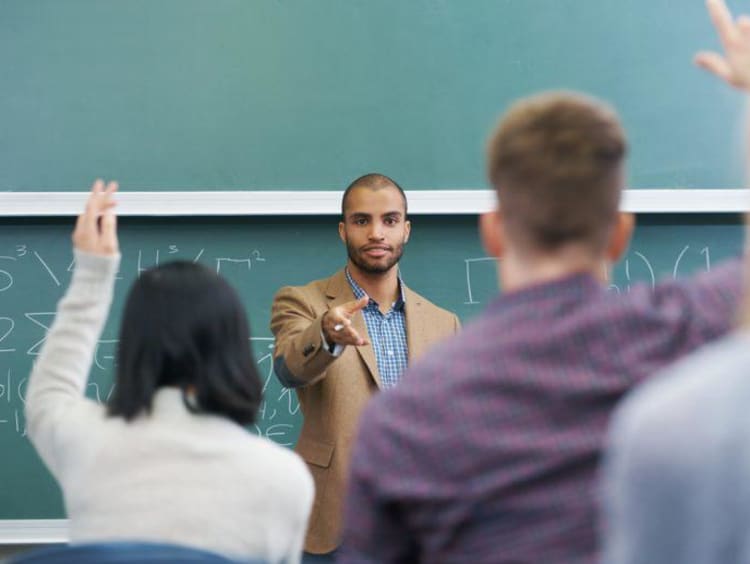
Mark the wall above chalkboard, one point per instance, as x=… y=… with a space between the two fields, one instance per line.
x=306 y=95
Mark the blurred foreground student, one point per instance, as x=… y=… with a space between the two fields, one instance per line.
x=488 y=451
x=677 y=478
x=168 y=459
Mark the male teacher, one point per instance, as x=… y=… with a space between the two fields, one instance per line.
x=340 y=339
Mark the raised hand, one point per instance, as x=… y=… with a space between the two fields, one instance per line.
x=734 y=65
x=96 y=228
x=337 y=324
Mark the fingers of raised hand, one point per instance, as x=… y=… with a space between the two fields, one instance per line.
x=722 y=20
x=96 y=227
x=714 y=63
x=734 y=65
x=743 y=27
x=108 y=238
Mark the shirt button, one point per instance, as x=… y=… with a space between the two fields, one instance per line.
x=390 y=353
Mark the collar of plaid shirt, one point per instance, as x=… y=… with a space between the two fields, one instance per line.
x=359 y=293
x=387 y=334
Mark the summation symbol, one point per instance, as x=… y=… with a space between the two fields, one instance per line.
x=33 y=317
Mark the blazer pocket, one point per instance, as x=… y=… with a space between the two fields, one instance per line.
x=315 y=452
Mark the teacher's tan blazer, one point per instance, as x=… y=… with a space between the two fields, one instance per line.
x=333 y=390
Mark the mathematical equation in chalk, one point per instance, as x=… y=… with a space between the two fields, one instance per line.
x=26 y=260
x=43 y=275
x=276 y=414
x=635 y=268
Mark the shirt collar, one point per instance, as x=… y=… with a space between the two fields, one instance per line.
x=359 y=293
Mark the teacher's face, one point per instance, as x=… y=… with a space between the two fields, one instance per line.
x=375 y=228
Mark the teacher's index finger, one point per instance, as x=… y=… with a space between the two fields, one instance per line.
x=357 y=305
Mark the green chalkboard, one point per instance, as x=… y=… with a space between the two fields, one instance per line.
x=308 y=94
x=444 y=261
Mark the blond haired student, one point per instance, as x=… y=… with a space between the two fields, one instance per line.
x=488 y=452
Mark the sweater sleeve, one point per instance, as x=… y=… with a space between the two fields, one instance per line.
x=58 y=378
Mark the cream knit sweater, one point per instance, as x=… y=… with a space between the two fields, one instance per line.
x=171 y=476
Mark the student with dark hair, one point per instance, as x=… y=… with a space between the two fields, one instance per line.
x=168 y=459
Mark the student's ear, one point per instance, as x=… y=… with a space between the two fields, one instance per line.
x=342 y=232
x=492 y=233
x=620 y=238
x=407 y=231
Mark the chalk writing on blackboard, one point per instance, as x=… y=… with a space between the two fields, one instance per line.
x=637 y=268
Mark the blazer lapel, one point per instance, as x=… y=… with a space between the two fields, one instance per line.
x=339 y=292
x=417 y=324
x=366 y=352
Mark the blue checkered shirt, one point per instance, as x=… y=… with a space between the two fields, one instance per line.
x=387 y=334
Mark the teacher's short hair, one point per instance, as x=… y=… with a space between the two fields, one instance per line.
x=184 y=327
x=373 y=181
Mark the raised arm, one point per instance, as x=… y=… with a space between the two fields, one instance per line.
x=733 y=66
x=58 y=379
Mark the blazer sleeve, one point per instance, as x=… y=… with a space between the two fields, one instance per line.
x=300 y=357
